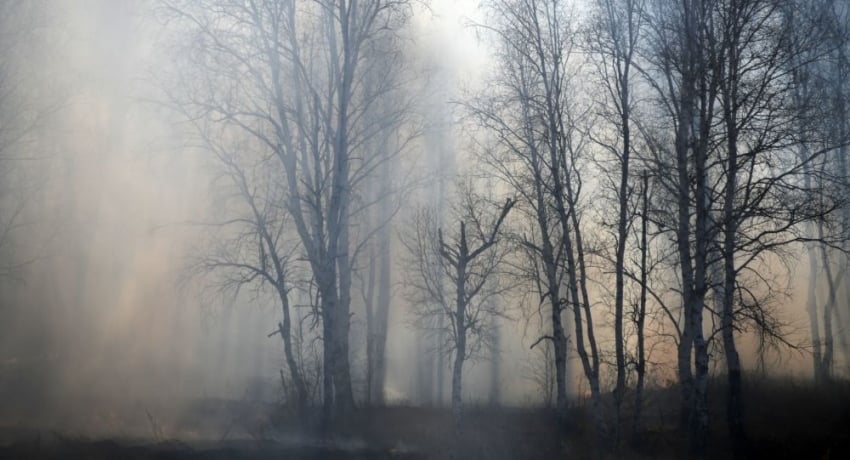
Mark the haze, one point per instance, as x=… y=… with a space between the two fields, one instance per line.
x=176 y=175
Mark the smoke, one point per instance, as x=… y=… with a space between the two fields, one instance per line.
x=100 y=329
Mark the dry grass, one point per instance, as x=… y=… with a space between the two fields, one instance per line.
x=784 y=419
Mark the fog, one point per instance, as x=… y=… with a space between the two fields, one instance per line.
x=113 y=322
x=100 y=324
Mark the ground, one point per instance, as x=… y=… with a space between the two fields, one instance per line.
x=784 y=420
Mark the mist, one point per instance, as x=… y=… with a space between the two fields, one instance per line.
x=441 y=229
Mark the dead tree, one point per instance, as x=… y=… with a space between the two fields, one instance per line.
x=469 y=261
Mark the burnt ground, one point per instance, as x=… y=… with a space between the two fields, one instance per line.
x=784 y=420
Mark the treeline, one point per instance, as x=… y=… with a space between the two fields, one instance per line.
x=660 y=160
x=638 y=175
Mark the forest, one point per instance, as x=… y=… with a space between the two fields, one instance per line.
x=496 y=229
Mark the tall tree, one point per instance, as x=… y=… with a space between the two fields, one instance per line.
x=536 y=120
x=292 y=75
x=720 y=69
x=682 y=60
x=618 y=24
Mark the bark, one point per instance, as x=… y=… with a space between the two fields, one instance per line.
x=285 y=330
x=327 y=366
x=589 y=362
x=734 y=409
x=582 y=316
x=595 y=391
x=460 y=326
x=285 y=327
x=840 y=79
x=812 y=309
x=641 y=313
x=369 y=301
x=801 y=94
x=495 y=363
x=338 y=226
x=622 y=68
x=827 y=358
x=622 y=234
x=440 y=397
x=699 y=417
x=550 y=266
x=734 y=402
x=381 y=319
x=685 y=345
x=843 y=320
x=695 y=102
x=459 y=258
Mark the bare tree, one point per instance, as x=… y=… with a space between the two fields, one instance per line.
x=251 y=246
x=618 y=24
x=639 y=314
x=536 y=121
x=720 y=70
x=764 y=200
x=818 y=38
x=468 y=260
x=292 y=75
x=681 y=58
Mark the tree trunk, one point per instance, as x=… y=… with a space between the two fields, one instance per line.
x=699 y=416
x=343 y=394
x=327 y=364
x=460 y=327
x=381 y=319
x=622 y=235
x=285 y=329
x=812 y=308
x=734 y=406
x=576 y=282
x=734 y=402
x=547 y=254
x=495 y=363
x=827 y=358
x=369 y=301
x=641 y=313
